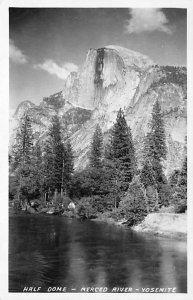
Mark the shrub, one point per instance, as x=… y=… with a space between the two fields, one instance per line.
x=85 y=208
x=179 y=199
x=132 y=206
x=134 y=199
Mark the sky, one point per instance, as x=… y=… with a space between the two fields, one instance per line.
x=46 y=44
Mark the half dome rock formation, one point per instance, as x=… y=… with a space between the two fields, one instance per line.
x=111 y=78
x=107 y=80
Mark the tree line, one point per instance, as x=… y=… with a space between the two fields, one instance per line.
x=40 y=171
x=112 y=181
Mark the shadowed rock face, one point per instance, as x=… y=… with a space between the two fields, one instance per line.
x=111 y=78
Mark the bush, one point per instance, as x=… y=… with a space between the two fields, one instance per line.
x=134 y=200
x=179 y=199
x=90 y=207
x=135 y=218
x=169 y=209
x=132 y=206
x=86 y=209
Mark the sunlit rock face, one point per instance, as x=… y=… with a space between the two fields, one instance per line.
x=111 y=78
x=107 y=80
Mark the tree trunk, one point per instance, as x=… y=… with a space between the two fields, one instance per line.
x=62 y=192
x=55 y=195
x=146 y=200
x=157 y=197
x=18 y=191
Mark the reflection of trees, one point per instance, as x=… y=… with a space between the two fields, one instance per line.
x=38 y=251
x=55 y=251
x=28 y=270
x=181 y=265
x=105 y=254
x=174 y=264
x=125 y=258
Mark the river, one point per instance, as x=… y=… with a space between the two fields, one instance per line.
x=54 y=252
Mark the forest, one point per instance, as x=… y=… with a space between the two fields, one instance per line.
x=42 y=174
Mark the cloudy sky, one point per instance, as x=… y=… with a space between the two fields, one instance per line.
x=46 y=44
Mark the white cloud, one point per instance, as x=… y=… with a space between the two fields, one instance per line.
x=147 y=19
x=16 y=55
x=61 y=72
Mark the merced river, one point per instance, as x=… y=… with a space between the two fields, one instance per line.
x=58 y=254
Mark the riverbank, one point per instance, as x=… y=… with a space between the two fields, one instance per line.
x=164 y=224
x=161 y=224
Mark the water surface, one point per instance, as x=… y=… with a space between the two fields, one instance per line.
x=54 y=251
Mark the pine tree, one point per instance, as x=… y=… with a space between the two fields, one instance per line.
x=133 y=204
x=36 y=177
x=22 y=155
x=53 y=159
x=47 y=167
x=134 y=197
x=122 y=153
x=94 y=172
x=148 y=179
x=147 y=176
x=156 y=139
x=57 y=160
x=96 y=149
x=155 y=151
x=68 y=165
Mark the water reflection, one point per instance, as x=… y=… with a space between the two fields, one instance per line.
x=55 y=251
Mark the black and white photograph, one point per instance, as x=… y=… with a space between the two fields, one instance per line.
x=97 y=150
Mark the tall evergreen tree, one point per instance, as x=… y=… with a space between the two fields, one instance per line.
x=155 y=151
x=22 y=155
x=53 y=158
x=36 y=176
x=96 y=149
x=57 y=160
x=156 y=139
x=121 y=151
x=148 y=178
x=68 y=165
x=47 y=167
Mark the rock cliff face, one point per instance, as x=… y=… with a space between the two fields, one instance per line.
x=111 y=78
